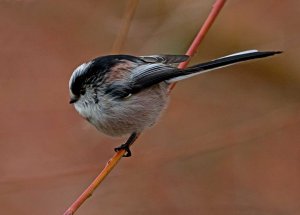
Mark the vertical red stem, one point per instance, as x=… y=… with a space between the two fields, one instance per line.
x=216 y=8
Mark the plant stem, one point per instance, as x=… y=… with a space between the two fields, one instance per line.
x=93 y=186
x=216 y=8
x=127 y=19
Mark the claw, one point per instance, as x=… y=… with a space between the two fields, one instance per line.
x=126 y=148
x=126 y=145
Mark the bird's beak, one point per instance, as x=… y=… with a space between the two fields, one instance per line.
x=73 y=100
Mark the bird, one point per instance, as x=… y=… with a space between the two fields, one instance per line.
x=125 y=94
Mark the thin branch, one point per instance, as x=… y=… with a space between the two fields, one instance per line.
x=127 y=19
x=216 y=8
x=118 y=155
x=93 y=186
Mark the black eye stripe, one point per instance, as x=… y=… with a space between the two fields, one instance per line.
x=87 y=78
x=94 y=73
x=82 y=91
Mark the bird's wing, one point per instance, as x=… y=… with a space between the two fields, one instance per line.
x=147 y=75
x=151 y=70
x=142 y=77
x=165 y=59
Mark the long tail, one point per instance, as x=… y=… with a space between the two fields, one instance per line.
x=222 y=62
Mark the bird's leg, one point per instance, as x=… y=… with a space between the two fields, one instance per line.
x=126 y=145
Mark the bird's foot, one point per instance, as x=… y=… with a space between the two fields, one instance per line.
x=126 y=148
x=126 y=145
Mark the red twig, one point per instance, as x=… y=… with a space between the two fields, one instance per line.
x=93 y=186
x=118 y=155
x=216 y=8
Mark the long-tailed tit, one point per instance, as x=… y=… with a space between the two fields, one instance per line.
x=124 y=94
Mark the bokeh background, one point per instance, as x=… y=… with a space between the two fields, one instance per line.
x=229 y=142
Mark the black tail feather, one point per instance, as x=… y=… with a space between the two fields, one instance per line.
x=222 y=62
x=232 y=59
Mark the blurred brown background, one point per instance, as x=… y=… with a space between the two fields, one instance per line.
x=229 y=142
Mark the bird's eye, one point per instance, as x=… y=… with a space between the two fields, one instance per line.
x=82 y=92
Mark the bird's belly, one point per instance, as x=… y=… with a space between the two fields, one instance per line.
x=133 y=114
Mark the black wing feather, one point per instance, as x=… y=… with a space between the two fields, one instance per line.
x=165 y=59
x=146 y=75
